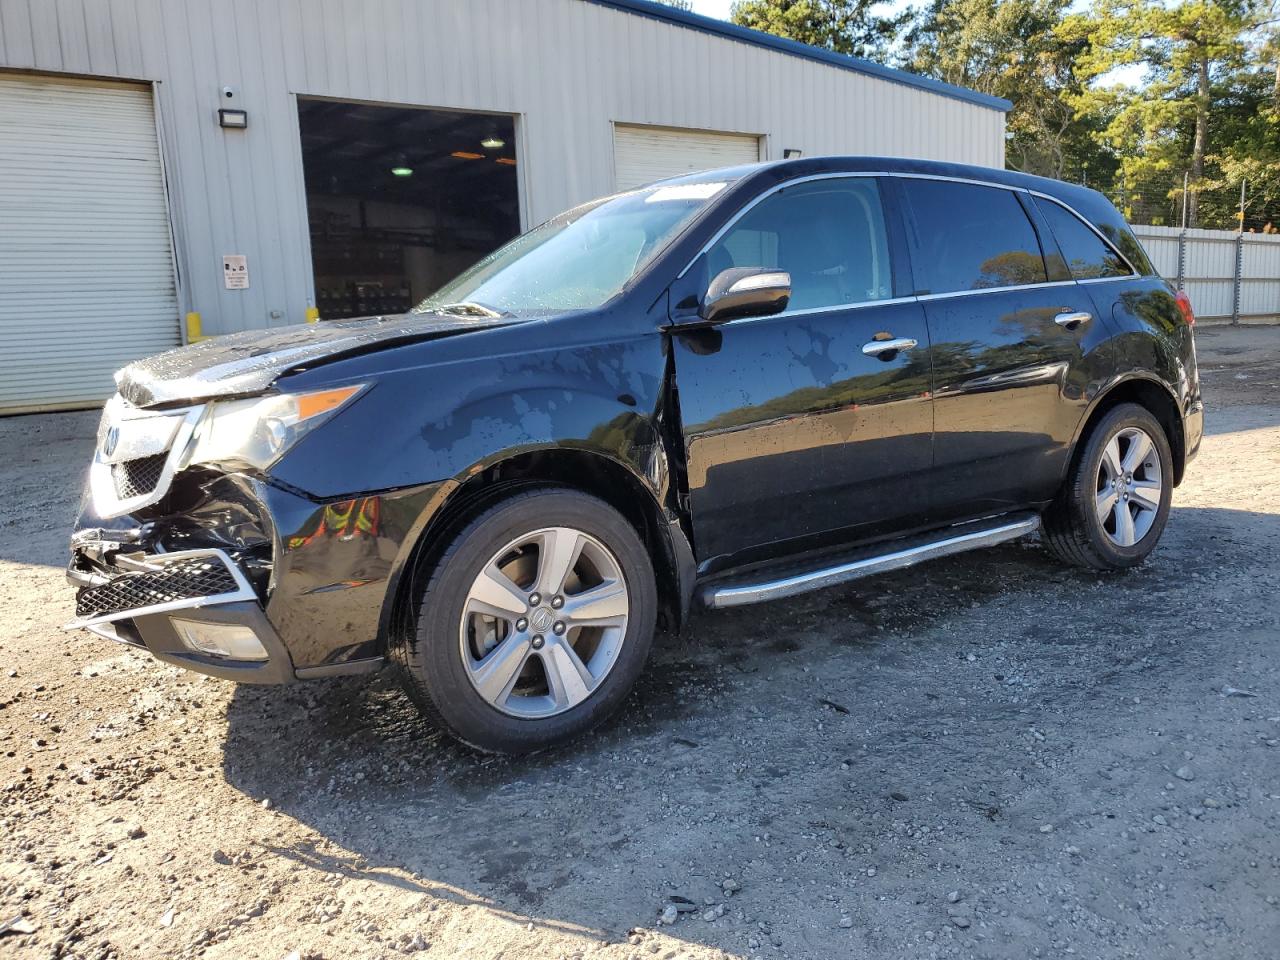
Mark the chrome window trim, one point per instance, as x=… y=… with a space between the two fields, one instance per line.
x=814 y=311
x=243 y=592
x=1133 y=272
x=920 y=298
x=1004 y=289
x=1126 y=276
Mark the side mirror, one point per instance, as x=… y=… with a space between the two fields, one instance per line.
x=746 y=292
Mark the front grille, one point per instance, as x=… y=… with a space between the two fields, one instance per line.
x=186 y=579
x=133 y=478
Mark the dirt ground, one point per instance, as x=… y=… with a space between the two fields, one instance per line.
x=989 y=756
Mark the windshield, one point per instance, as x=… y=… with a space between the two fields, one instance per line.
x=580 y=259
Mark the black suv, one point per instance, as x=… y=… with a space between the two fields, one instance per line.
x=727 y=387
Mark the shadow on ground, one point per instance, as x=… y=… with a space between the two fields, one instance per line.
x=769 y=743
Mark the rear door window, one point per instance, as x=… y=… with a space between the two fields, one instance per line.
x=969 y=237
x=828 y=234
x=1087 y=256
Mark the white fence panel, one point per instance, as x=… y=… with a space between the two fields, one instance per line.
x=1260 y=287
x=1209 y=274
x=1161 y=244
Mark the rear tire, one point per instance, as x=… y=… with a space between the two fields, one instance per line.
x=534 y=625
x=1115 y=503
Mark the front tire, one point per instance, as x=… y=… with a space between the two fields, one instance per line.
x=1115 y=503
x=534 y=625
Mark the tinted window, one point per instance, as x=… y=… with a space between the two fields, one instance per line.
x=828 y=234
x=969 y=237
x=1086 y=255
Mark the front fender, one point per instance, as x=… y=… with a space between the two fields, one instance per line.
x=444 y=427
x=431 y=423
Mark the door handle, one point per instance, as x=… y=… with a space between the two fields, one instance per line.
x=873 y=348
x=1072 y=318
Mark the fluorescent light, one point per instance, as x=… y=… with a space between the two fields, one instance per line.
x=402 y=171
x=493 y=143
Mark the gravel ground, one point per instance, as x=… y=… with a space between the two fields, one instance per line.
x=989 y=756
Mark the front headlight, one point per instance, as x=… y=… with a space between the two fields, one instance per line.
x=255 y=433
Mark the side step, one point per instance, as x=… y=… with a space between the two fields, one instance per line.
x=797 y=578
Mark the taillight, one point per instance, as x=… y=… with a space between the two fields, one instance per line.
x=1184 y=304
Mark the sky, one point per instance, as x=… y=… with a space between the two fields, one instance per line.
x=712 y=8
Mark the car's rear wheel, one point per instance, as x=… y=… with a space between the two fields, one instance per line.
x=1115 y=503
x=534 y=624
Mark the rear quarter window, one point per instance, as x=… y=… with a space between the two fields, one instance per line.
x=970 y=237
x=1086 y=255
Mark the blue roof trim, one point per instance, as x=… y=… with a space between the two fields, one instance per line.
x=731 y=31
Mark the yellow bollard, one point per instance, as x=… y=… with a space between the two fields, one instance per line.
x=313 y=315
x=193 y=328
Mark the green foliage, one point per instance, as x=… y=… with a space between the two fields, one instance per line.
x=1010 y=48
x=1127 y=96
x=852 y=27
x=1192 y=60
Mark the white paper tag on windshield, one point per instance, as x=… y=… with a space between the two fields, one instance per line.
x=685 y=191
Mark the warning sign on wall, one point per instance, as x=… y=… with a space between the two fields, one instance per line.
x=235 y=271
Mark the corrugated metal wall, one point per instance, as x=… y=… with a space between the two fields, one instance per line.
x=86 y=267
x=1209 y=274
x=569 y=69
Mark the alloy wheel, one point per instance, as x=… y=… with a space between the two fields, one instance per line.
x=543 y=622
x=1129 y=486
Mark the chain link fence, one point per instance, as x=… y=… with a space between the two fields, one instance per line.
x=1213 y=205
x=1218 y=241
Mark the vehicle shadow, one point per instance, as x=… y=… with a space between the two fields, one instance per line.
x=776 y=741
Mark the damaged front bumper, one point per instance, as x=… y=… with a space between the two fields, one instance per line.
x=232 y=573
x=192 y=608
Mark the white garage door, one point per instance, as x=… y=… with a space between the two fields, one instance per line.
x=644 y=154
x=86 y=264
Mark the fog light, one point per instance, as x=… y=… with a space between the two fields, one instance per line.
x=229 y=640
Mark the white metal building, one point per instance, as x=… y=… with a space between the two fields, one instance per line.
x=251 y=161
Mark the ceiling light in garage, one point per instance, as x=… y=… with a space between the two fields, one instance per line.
x=509 y=161
x=464 y=155
x=493 y=143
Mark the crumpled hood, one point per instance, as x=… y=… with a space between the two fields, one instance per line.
x=245 y=363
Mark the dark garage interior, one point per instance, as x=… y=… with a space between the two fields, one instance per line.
x=401 y=200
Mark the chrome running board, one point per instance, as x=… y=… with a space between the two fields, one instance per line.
x=736 y=592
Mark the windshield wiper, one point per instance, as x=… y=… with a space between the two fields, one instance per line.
x=469 y=309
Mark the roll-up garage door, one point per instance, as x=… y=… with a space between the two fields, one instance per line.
x=644 y=154
x=86 y=262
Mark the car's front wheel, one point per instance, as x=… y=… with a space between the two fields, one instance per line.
x=534 y=624
x=1115 y=503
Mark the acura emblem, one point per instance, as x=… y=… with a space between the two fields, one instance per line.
x=110 y=440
